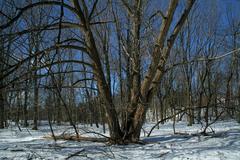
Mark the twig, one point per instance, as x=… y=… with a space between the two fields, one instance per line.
x=202 y=59
x=164 y=120
x=28 y=131
x=75 y=154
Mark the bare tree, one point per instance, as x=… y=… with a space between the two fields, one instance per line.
x=143 y=86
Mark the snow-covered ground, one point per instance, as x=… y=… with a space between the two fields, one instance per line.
x=162 y=144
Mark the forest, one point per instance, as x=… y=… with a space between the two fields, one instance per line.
x=136 y=79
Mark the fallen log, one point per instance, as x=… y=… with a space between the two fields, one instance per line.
x=78 y=138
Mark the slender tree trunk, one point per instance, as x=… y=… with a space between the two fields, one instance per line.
x=161 y=106
x=228 y=93
x=174 y=120
x=59 y=111
x=2 y=119
x=156 y=111
x=191 y=110
x=25 y=111
x=18 y=108
x=36 y=96
x=1 y=110
x=200 y=107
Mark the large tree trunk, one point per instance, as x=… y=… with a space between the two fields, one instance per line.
x=134 y=124
x=111 y=114
x=104 y=89
x=135 y=111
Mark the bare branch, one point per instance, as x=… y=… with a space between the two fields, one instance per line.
x=93 y=10
x=202 y=59
x=42 y=3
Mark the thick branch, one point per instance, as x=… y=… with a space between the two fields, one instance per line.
x=158 y=47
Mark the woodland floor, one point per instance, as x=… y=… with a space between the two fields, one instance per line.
x=162 y=144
